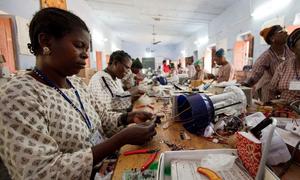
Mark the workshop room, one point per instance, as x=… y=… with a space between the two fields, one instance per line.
x=150 y=89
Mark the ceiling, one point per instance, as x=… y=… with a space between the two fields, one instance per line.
x=173 y=20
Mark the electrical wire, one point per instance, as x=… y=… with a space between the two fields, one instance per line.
x=181 y=113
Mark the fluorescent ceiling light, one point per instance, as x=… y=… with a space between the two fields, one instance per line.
x=269 y=8
x=201 y=41
x=148 y=54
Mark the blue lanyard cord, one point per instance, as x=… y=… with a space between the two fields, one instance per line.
x=50 y=83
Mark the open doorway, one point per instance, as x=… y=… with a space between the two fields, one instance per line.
x=7 y=46
x=209 y=65
x=243 y=51
x=243 y=55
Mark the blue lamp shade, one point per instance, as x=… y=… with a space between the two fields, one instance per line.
x=162 y=80
x=196 y=112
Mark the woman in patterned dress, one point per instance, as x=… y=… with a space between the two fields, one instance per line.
x=106 y=86
x=50 y=126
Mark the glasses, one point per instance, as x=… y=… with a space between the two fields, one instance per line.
x=281 y=31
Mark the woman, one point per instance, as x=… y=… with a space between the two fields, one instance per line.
x=106 y=85
x=199 y=72
x=226 y=71
x=288 y=72
x=49 y=128
x=134 y=75
x=166 y=68
x=179 y=68
x=265 y=66
x=191 y=71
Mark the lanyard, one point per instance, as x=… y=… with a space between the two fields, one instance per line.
x=50 y=83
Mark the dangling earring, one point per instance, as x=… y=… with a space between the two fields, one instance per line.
x=46 y=51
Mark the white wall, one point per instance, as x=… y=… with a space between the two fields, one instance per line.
x=188 y=46
x=99 y=31
x=237 y=19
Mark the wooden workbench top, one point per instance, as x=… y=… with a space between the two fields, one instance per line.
x=171 y=135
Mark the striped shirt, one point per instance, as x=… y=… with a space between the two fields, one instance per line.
x=285 y=73
x=226 y=73
x=264 y=69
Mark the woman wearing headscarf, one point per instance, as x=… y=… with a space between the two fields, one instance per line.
x=226 y=71
x=265 y=66
x=288 y=71
x=199 y=72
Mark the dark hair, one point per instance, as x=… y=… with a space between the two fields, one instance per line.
x=137 y=64
x=118 y=56
x=293 y=38
x=164 y=61
x=54 y=22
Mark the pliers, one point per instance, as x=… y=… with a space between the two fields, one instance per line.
x=153 y=152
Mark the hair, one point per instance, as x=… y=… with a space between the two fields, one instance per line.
x=54 y=22
x=137 y=64
x=118 y=56
x=164 y=61
x=293 y=38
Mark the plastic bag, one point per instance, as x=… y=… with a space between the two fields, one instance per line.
x=218 y=162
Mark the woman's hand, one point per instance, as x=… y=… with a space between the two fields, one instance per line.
x=135 y=91
x=138 y=134
x=138 y=116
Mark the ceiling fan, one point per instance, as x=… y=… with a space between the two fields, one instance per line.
x=154 y=34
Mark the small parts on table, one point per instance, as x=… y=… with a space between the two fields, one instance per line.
x=173 y=147
x=153 y=152
x=184 y=136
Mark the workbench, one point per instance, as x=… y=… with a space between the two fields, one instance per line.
x=171 y=135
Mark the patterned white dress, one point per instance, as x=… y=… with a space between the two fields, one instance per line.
x=110 y=92
x=42 y=136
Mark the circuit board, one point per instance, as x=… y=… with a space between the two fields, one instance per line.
x=138 y=175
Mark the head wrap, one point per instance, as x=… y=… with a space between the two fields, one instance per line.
x=293 y=38
x=268 y=32
x=197 y=62
x=220 y=52
x=172 y=65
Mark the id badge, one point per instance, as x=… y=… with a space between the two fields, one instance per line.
x=96 y=138
x=294 y=85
